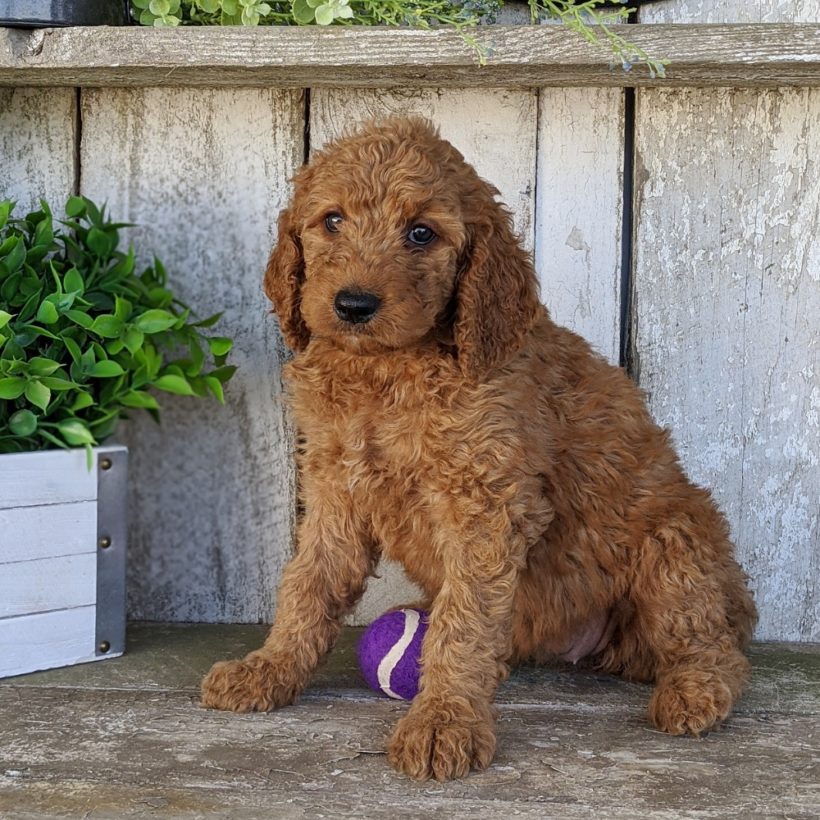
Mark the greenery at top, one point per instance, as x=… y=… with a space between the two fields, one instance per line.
x=591 y=19
x=83 y=338
x=420 y=13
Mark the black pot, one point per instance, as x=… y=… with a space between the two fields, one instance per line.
x=38 y=13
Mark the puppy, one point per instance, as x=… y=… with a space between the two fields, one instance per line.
x=446 y=422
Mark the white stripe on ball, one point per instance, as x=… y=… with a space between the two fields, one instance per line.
x=389 y=661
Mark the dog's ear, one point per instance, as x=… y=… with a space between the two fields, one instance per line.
x=283 y=282
x=496 y=294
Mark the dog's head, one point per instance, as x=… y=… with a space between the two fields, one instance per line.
x=392 y=239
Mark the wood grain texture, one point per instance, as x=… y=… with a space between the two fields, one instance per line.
x=731 y=11
x=47 y=477
x=728 y=55
x=47 y=640
x=37 y=145
x=726 y=328
x=175 y=657
x=580 y=209
x=27 y=533
x=47 y=584
x=495 y=129
x=203 y=173
x=127 y=739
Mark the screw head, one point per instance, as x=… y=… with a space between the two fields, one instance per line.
x=105 y=463
x=105 y=542
x=104 y=646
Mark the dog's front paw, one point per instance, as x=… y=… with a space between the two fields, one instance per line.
x=248 y=685
x=689 y=702
x=434 y=742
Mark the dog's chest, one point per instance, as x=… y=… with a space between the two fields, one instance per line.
x=386 y=443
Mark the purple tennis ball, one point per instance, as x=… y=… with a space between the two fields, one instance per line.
x=390 y=653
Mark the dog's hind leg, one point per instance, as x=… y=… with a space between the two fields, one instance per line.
x=693 y=616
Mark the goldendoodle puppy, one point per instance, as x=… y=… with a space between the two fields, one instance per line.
x=446 y=422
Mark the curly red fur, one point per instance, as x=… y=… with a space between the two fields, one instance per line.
x=517 y=476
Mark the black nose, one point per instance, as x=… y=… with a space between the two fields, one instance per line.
x=356 y=306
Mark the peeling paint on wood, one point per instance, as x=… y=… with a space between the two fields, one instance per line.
x=727 y=300
x=731 y=11
x=495 y=129
x=203 y=174
x=37 y=146
x=579 y=211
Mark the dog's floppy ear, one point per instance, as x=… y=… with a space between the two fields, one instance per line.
x=283 y=282
x=496 y=294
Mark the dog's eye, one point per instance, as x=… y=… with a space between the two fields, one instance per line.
x=421 y=235
x=332 y=222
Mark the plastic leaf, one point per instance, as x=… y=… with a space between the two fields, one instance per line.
x=174 y=384
x=105 y=369
x=73 y=349
x=141 y=399
x=219 y=345
x=155 y=321
x=324 y=15
x=38 y=394
x=80 y=318
x=47 y=313
x=6 y=207
x=82 y=401
x=40 y=366
x=75 y=432
x=216 y=388
x=302 y=12
x=73 y=281
x=133 y=339
x=107 y=326
x=75 y=207
x=16 y=256
x=12 y=387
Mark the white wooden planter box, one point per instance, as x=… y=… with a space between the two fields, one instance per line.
x=62 y=558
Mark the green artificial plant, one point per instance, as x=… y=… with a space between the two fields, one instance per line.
x=84 y=339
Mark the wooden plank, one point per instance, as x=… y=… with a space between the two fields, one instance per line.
x=27 y=533
x=175 y=657
x=37 y=145
x=203 y=173
x=46 y=640
x=47 y=584
x=47 y=477
x=116 y=754
x=495 y=129
x=580 y=210
x=726 y=55
x=727 y=300
x=731 y=11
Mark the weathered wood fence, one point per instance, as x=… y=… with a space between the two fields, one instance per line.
x=676 y=226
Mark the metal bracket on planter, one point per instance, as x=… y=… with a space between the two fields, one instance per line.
x=112 y=536
x=40 y=13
